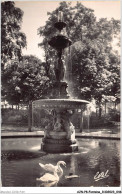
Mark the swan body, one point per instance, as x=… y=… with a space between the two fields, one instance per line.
x=47 y=167
x=51 y=168
x=47 y=177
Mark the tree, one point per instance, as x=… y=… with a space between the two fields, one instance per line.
x=12 y=39
x=25 y=81
x=91 y=60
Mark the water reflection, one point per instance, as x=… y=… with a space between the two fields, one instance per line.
x=72 y=165
x=20 y=155
x=48 y=180
x=52 y=184
x=93 y=161
x=21 y=167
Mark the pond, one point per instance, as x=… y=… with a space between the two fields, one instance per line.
x=21 y=158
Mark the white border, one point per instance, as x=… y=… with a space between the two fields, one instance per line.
x=93 y=190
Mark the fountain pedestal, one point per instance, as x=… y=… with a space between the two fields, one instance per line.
x=57 y=143
x=59 y=134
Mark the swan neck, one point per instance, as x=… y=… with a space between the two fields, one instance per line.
x=60 y=169
x=55 y=174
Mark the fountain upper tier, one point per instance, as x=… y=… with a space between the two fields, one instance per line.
x=60 y=42
x=60 y=103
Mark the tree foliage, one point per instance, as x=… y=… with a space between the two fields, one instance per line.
x=25 y=81
x=12 y=39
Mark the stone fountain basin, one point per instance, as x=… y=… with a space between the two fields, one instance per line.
x=57 y=135
x=60 y=103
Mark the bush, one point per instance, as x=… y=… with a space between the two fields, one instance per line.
x=114 y=115
x=96 y=122
x=41 y=118
x=13 y=116
x=105 y=120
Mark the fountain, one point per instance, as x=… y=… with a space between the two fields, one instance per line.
x=21 y=156
x=59 y=135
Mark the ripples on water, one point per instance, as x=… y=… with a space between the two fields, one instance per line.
x=21 y=157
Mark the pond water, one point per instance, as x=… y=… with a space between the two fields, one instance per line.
x=21 y=158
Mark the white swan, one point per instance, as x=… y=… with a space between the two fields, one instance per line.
x=52 y=168
x=52 y=179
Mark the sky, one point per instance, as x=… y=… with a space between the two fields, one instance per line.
x=35 y=15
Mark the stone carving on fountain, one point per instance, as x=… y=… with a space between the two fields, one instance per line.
x=61 y=123
x=59 y=135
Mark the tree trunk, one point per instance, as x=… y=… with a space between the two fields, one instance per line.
x=115 y=105
x=30 y=116
x=100 y=108
x=100 y=111
x=81 y=122
x=105 y=107
x=88 y=121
